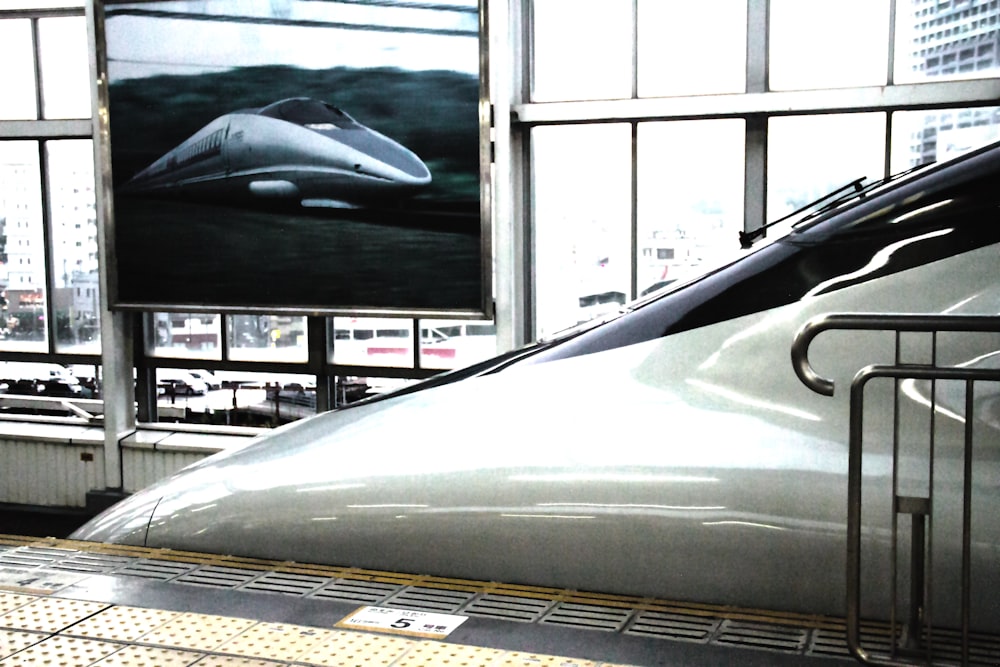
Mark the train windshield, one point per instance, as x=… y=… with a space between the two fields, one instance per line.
x=310 y=113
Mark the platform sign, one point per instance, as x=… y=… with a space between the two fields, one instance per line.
x=407 y=622
x=36 y=582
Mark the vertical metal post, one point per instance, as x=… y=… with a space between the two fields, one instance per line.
x=967 y=522
x=854 y=521
x=116 y=327
x=318 y=337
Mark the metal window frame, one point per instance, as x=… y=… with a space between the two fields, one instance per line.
x=755 y=106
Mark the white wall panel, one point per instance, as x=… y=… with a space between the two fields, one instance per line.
x=58 y=474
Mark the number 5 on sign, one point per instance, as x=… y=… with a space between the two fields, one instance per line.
x=402 y=622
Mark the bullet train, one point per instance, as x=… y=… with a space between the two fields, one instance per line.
x=294 y=150
x=668 y=452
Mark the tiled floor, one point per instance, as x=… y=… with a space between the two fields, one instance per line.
x=74 y=604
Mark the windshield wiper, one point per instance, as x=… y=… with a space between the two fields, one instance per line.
x=747 y=238
x=855 y=189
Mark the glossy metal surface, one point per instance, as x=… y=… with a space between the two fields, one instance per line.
x=672 y=452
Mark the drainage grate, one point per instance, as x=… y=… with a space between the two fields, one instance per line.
x=762 y=635
x=34 y=556
x=680 y=627
x=829 y=644
x=149 y=568
x=90 y=562
x=356 y=590
x=285 y=584
x=215 y=576
x=429 y=599
x=508 y=607
x=592 y=617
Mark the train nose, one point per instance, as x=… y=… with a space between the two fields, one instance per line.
x=124 y=523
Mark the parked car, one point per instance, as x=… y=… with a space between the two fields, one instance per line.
x=39 y=379
x=207 y=377
x=176 y=381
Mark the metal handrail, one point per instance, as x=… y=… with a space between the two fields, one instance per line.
x=919 y=509
x=899 y=323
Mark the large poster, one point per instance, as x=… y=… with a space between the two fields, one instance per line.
x=294 y=155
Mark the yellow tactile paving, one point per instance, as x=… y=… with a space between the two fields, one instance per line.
x=51 y=615
x=12 y=641
x=62 y=651
x=122 y=623
x=233 y=661
x=440 y=654
x=9 y=601
x=518 y=659
x=350 y=649
x=276 y=641
x=202 y=632
x=149 y=656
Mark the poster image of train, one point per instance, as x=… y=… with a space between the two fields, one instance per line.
x=296 y=156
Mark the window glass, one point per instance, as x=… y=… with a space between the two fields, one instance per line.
x=65 y=67
x=819 y=44
x=843 y=147
x=17 y=54
x=932 y=136
x=267 y=338
x=946 y=40
x=187 y=335
x=75 y=281
x=582 y=49
x=237 y=398
x=690 y=198
x=582 y=189
x=373 y=341
x=456 y=343
x=22 y=272
x=688 y=48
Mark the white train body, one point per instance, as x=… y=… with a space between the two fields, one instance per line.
x=669 y=453
x=292 y=150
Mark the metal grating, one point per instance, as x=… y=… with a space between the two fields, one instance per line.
x=216 y=576
x=947 y=645
x=33 y=556
x=830 y=644
x=357 y=590
x=678 y=627
x=508 y=607
x=285 y=584
x=429 y=599
x=90 y=563
x=785 y=639
x=593 y=617
x=149 y=568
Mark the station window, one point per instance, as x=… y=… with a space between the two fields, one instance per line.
x=65 y=67
x=803 y=59
x=690 y=197
x=582 y=187
x=70 y=175
x=688 y=48
x=844 y=147
x=582 y=49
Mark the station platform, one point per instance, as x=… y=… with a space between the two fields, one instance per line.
x=72 y=603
